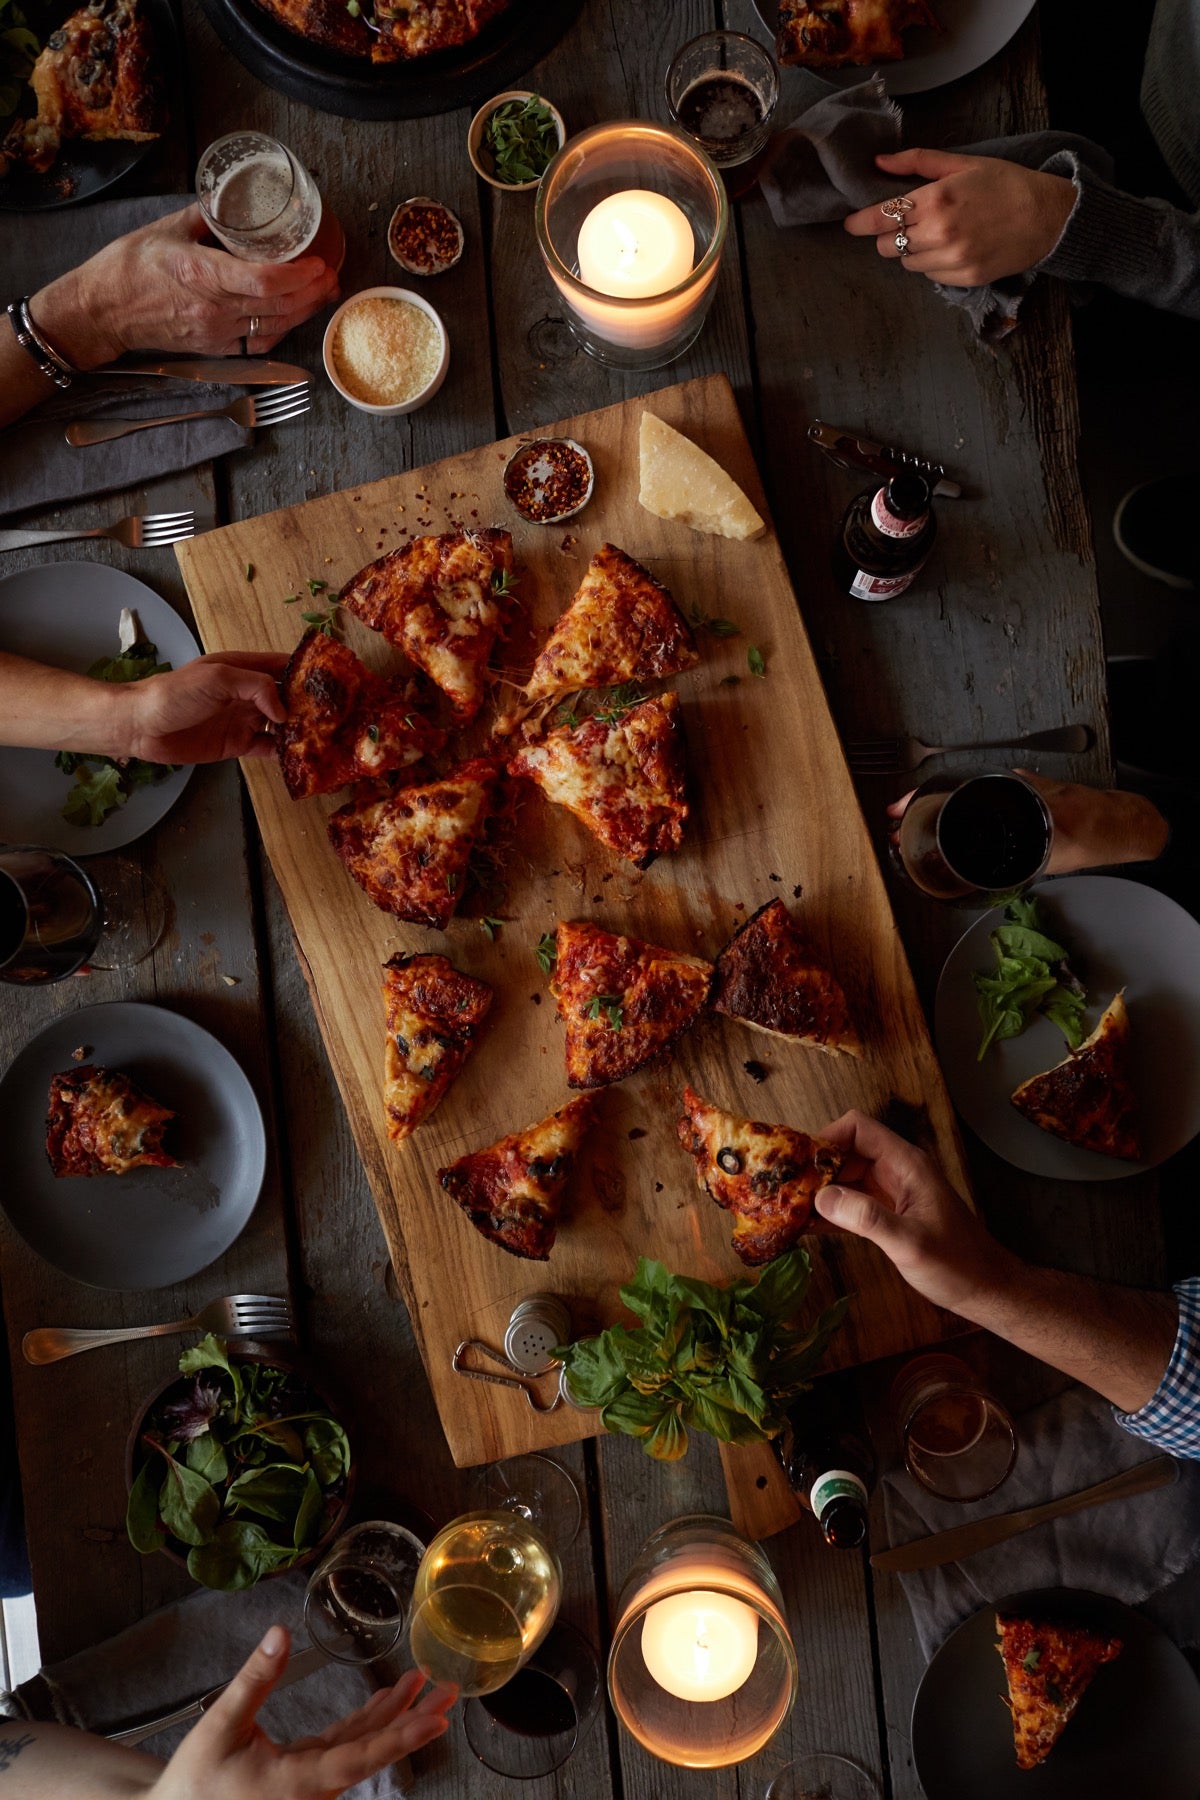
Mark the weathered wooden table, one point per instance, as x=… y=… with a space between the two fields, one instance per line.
x=1001 y=635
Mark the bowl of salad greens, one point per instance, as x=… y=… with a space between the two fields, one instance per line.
x=237 y=1467
x=514 y=138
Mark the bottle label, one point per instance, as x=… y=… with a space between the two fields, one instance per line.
x=887 y=521
x=835 y=1484
x=881 y=587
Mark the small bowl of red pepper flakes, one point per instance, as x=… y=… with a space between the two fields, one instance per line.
x=425 y=237
x=549 y=480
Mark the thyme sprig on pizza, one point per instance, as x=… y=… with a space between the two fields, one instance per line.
x=727 y=1360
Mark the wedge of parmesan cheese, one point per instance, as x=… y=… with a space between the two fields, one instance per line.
x=680 y=481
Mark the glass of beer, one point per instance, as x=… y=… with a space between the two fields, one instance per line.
x=262 y=204
x=959 y=1442
x=722 y=89
x=974 y=839
x=357 y=1601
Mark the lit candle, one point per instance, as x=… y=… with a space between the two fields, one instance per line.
x=700 y=1646
x=635 y=244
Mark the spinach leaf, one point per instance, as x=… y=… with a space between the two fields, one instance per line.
x=206 y=1455
x=273 y=1492
x=1031 y=974
x=307 y=1526
x=189 y=1505
x=328 y=1450
x=239 y=1554
x=141 y=1514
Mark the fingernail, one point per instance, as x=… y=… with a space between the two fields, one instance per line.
x=275 y=1642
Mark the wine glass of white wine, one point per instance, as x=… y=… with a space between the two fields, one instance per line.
x=487 y=1592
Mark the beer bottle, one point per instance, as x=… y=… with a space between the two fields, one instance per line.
x=828 y=1462
x=885 y=537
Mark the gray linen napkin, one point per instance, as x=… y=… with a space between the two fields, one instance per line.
x=37 y=466
x=1143 y=1549
x=822 y=167
x=180 y=1652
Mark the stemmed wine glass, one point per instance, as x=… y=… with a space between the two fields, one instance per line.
x=534 y=1723
x=55 y=919
x=823 y=1777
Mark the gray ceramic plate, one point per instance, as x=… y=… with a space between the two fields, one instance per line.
x=973 y=31
x=1136 y=1733
x=151 y=1227
x=1120 y=934
x=67 y=613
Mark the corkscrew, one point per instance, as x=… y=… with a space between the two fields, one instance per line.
x=849 y=451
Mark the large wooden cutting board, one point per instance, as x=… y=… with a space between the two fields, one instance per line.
x=775 y=814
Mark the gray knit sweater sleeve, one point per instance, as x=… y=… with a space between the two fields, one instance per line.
x=1144 y=249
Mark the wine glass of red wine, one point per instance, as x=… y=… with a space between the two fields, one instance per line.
x=823 y=1777
x=531 y=1725
x=57 y=919
x=974 y=839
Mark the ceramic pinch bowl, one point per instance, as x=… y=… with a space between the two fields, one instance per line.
x=344 y=354
x=478 y=154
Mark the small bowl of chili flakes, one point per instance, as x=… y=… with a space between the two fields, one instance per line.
x=425 y=237
x=549 y=480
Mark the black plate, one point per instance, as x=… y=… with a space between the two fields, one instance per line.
x=1136 y=1732
x=355 y=88
x=81 y=170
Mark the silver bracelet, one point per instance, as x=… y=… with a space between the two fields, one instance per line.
x=52 y=364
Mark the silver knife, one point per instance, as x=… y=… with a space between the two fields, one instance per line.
x=300 y=1666
x=981 y=1534
x=234 y=371
x=850 y=451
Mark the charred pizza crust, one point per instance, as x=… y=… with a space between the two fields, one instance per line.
x=98 y=78
x=345 y=723
x=765 y=1175
x=1088 y=1099
x=433 y=1013
x=769 y=977
x=512 y=1191
x=410 y=28
x=1049 y=1668
x=408 y=847
x=622 y=625
x=623 y=1002
x=836 y=34
x=100 y=1122
x=626 y=780
x=441 y=600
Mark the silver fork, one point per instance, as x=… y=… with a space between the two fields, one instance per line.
x=271 y=407
x=144 y=532
x=238 y=1315
x=901 y=755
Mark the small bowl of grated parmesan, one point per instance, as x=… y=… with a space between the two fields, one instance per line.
x=386 y=350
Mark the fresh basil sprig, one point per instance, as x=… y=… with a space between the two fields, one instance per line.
x=1032 y=974
x=727 y=1360
x=520 y=140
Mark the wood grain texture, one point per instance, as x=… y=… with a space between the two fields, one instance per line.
x=791 y=828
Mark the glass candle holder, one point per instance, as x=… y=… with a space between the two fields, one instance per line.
x=702 y=1671
x=631 y=220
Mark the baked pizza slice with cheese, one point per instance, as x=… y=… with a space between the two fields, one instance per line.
x=838 y=34
x=99 y=1122
x=443 y=601
x=623 y=774
x=98 y=78
x=1088 y=1098
x=345 y=723
x=408 y=847
x=770 y=978
x=621 y=626
x=1049 y=1667
x=623 y=1002
x=513 y=1191
x=433 y=1013
x=767 y=1176
x=412 y=28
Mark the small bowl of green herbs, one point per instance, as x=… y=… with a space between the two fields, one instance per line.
x=237 y=1467
x=514 y=138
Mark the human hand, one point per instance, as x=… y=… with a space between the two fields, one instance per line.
x=978 y=218
x=162 y=288
x=1093 y=827
x=228 y=1755
x=215 y=707
x=891 y=1193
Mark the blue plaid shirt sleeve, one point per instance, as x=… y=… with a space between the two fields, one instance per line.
x=1170 y=1419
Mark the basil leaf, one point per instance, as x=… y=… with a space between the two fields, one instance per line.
x=669 y=1440
x=189 y=1505
x=635 y=1415
x=141 y=1514
x=780 y=1289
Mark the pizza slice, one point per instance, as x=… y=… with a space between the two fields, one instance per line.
x=837 y=34
x=345 y=723
x=408 y=848
x=443 y=601
x=433 y=1012
x=101 y=1123
x=624 y=775
x=765 y=1175
x=1088 y=1098
x=769 y=977
x=98 y=78
x=410 y=28
x=1049 y=1668
x=623 y=1002
x=622 y=625
x=512 y=1192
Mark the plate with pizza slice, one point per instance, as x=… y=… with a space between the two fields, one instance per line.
x=1061 y=1693
x=915 y=46
x=1129 y=1096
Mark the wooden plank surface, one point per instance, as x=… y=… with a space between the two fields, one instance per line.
x=776 y=814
